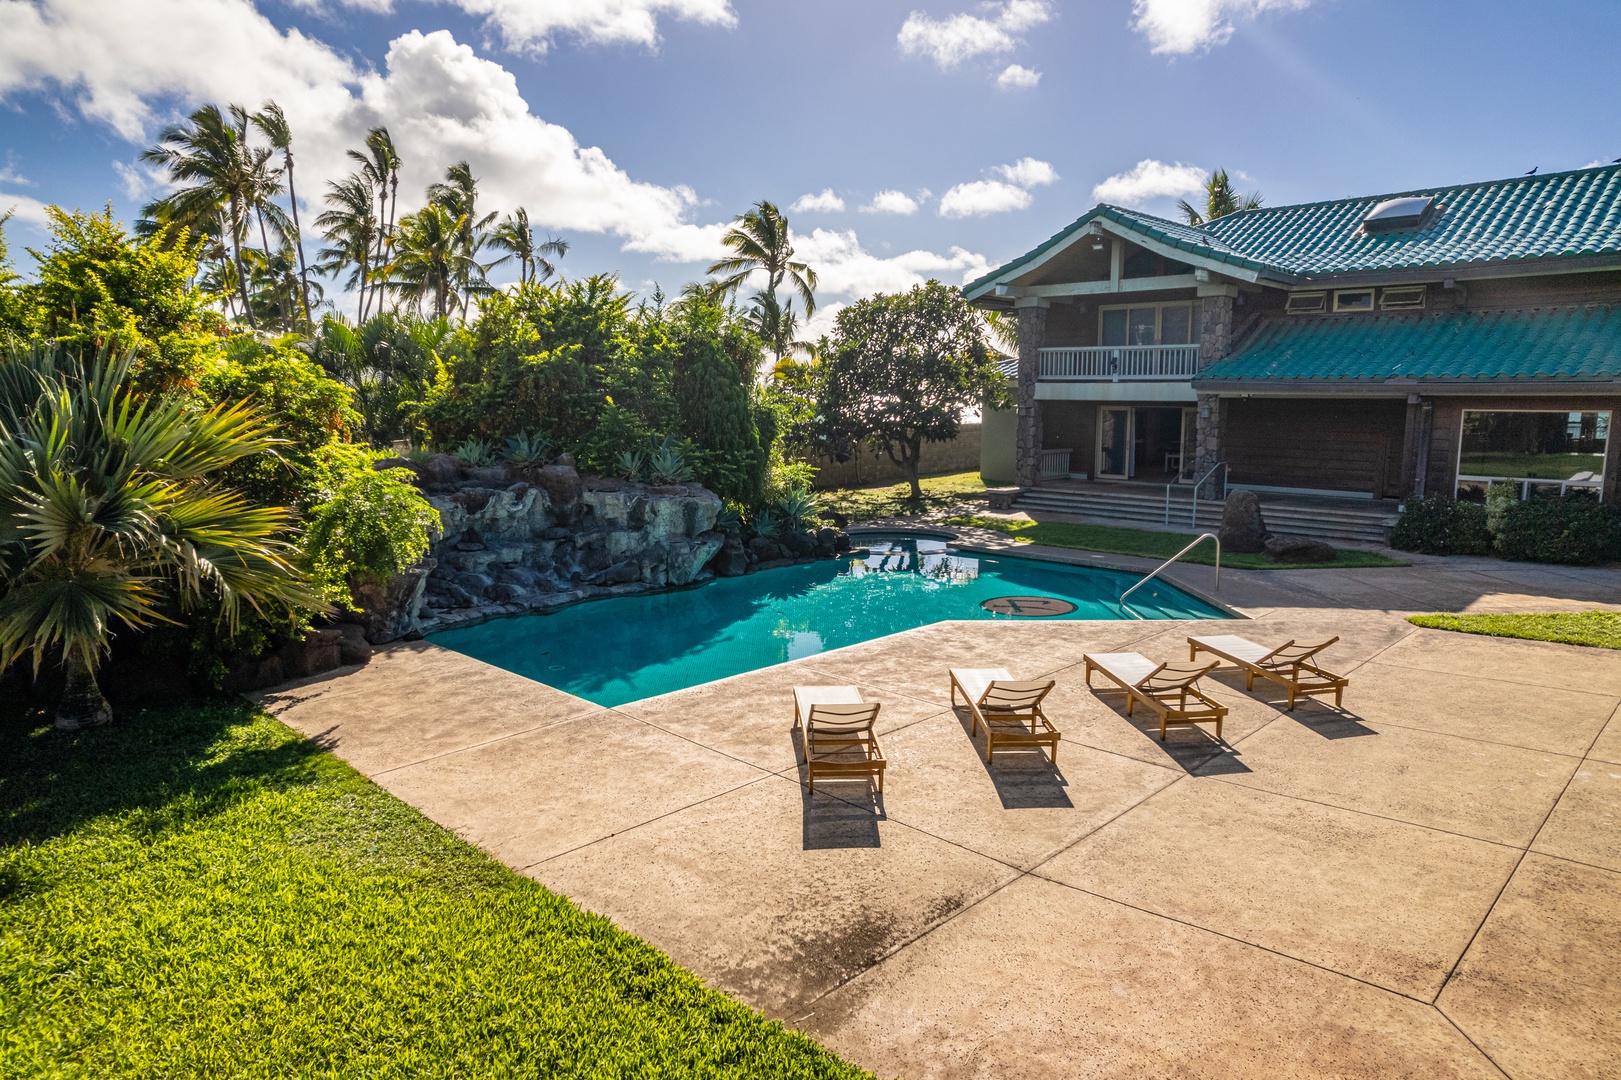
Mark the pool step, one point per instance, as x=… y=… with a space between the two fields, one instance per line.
x=1334 y=520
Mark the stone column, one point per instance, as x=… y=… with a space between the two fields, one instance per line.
x=1027 y=445
x=1208 y=427
x=1215 y=322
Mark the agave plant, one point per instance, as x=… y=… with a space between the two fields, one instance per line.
x=528 y=449
x=474 y=453
x=632 y=465
x=110 y=512
x=799 y=508
x=767 y=524
x=668 y=465
x=729 y=521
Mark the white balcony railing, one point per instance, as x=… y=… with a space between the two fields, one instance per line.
x=1053 y=464
x=1116 y=362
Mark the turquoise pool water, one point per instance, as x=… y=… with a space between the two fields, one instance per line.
x=616 y=651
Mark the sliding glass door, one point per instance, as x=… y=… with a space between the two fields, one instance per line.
x=1114 y=443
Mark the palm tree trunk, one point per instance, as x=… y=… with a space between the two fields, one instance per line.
x=82 y=704
x=241 y=278
x=361 y=317
x=281 y=294
x=298 y=239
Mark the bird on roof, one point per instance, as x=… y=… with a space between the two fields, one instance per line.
x=1617 y=161
x=1533 y=171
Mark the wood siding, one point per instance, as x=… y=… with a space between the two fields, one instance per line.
x=1352 y=446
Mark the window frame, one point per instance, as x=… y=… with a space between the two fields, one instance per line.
x=1526 y=483
x=1159 y=307
x=1341 y=294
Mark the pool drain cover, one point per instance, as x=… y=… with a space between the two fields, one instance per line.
x=1030 y=607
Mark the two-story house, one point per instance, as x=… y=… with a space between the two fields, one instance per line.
x=1336 y=357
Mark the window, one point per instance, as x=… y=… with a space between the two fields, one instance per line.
x=1306 y=303
x=1403 y=299
x=1551 y=451
x=1395 y=215
x=1353 y=300
x=1147 y=324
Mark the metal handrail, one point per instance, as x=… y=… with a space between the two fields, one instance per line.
x=1226 y=478
x=1201 y=538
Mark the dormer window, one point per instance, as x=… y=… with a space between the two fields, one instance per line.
x=1397 y=215
x=1353 y=300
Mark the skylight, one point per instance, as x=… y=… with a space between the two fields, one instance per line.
x=1393 y=215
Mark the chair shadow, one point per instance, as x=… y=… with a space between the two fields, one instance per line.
x=1193 y=747
x=1312 y=713
x=840 y=813
x=1025 y=778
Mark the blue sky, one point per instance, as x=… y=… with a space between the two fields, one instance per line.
x=637 y=128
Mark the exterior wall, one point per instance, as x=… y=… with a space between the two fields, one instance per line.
x=1319 y=443
x=997 y=433
x=1441 y=476
x=1072 y=426
x=872 y=466
x=1027 y=437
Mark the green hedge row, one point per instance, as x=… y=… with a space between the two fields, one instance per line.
x=1574 y=529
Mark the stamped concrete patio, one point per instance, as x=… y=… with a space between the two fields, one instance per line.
x=1427 y=884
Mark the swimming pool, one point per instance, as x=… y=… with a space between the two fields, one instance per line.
x=634 y=647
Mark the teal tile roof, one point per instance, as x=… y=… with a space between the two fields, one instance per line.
x=1570 y=343
x=1559 y=215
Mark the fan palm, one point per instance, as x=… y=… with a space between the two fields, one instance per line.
x=210 y=157
x=515 y=237
x=272 y=124
x=761 y=242
x=1220 y=200
x=109 y=511
x=350 y=226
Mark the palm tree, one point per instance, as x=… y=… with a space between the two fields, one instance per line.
x=350 y=226
x=272 y=124
x=1220 y=200
x=458 y=194
x=110 y=513
x=431 y=260
x=210 y=155
x=761 y=241
x=515 y=237
x=380 y=165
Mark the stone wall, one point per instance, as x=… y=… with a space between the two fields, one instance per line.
x=872 y=466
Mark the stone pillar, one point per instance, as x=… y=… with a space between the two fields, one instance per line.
x=1413 y=457
x=1027 y=444
x=1208 y=427
x=1215 y=322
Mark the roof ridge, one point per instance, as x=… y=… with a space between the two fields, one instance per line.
x=1437 y=190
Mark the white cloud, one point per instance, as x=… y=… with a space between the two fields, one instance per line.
x=824 y=203
x=533 y=25
x=1028 y=172
x=1017 y=77
x=980 y=197
x=22 y=208
x=891 y=202
x=956 y=38
x=1149 y=180
x=845 y=269
x=1185 y=26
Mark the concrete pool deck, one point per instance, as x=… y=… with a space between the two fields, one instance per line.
x=1426 y=884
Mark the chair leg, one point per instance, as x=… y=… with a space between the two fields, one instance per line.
x=1249 y=680
x=1162 y=728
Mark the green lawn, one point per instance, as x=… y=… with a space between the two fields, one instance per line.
x=945 y=492
x=1153 y=545
x=1599 y=629
x=196 y=891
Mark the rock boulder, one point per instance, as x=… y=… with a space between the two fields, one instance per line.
x=1299 y=549
x=1242 y=527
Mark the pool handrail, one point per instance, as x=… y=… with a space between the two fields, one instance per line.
x=1196 y=542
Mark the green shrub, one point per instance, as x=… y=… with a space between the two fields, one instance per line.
x=367 y=525
x=1440 y=526
x=1575 y=529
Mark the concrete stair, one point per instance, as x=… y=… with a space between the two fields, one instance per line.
x=1340 y=521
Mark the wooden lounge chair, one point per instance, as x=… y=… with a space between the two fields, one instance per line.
x=1290 y=664
x=1170 y=690
x=839 y=739
x=1009 y=710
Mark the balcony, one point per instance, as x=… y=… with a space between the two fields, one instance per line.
x=1118 y=363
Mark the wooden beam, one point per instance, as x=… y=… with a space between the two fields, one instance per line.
x=1103 y=288
x=1117 y=262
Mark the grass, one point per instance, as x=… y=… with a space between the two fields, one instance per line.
x=1153 y=545
x=1598 y=629
x=197 y=891
x=949 y=491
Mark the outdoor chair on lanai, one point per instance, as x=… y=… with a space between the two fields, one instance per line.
x=838 y=731
x=1170 y=690
x=1008 y=710
x=1290 y=665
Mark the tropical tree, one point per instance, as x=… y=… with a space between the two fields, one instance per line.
x=351 y=227
x=515 y=237
x=431 y=262
x=458 y=195
x=1220 y=200
x=271 y=122
x=380 y=167
x=901 y=370
x=221 y=181
x=761 y=241
x=111 y=514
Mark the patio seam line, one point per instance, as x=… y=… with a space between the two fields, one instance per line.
x=1574 y=862
x=1519 y=862
x=637 y=825
x=1490 y=678
x=1488 y=742
x=477 y=745
x=1453 y=1024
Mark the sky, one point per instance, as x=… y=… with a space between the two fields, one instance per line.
x=906 y=140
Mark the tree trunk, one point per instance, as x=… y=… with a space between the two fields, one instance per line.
x=912 y=452
x=241 y=278
x=82 y=704
x=281 y=294
x=298 y=239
